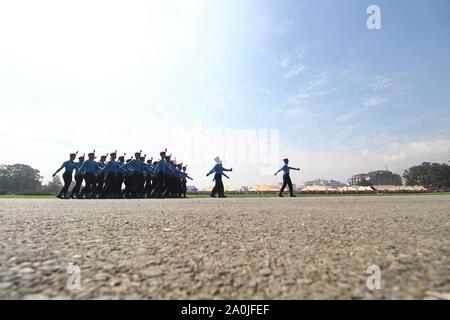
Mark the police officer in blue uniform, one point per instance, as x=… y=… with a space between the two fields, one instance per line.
x=218 y=171
x=69 y=166
x=159 y=175
x=135 y=167
x=286 y=178
x=148 y=170
x=128 y=179
x=183 y=180
x=100 y=177
x=89 y=169
x=109 y=171
x=78 y=178
x=120 y=176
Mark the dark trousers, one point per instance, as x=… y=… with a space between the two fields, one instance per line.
x=118 y=184
x=110 y=184
x=67 y=178
x=77 y=188
x=138 y=181
x=128 y=180
x=183 y=187
x=90 y=180
x=218 y=187
x=286 y=181
x=159 y=184
x=148 y=185
x=100 y=185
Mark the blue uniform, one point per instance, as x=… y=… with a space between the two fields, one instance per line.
x=219 y=169
x=90 y=166
x=134 y=165
x=162 y=167
x=218 y=187
x=111 y=166
x=68 y=165
x=184 y=175
x=171 y=169
x=286 y=169
x=121 y=167
x=100 y=166
x=77 y=167
x=148 y=169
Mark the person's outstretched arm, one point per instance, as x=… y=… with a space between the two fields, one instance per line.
x=82 y=168
x=278 y=171
x=231 y=169
x=226 y=175
x=106 y=167
x=128 y=166
x=212 y=170
x=298 y=169
x=60 y=168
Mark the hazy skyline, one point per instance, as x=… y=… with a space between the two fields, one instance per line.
x=143 y=75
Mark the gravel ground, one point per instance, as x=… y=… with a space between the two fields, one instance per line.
x=252 y=248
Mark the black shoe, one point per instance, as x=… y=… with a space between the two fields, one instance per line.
x=280 y=195
x=212 y=195
x=59 y=196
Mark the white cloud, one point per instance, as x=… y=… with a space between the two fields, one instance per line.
x=373 y=101
x=266 y=91
x=300 y=52
x=284 y=26
x=421 y=150
x=294 y=71
x=312 y=88
x=283 y=62
x=381 y=82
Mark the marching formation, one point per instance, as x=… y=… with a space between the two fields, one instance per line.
x=164 y=178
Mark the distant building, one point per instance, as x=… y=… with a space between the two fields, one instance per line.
x=335 y=183
x=324 y=182
x=376 y=178
x=358 y=179
x=243 y=189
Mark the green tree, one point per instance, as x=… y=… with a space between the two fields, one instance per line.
x=20 y=179
x=429 y=175
x=53 y=186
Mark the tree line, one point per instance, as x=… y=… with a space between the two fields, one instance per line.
x=25 y=180
x=433 y=176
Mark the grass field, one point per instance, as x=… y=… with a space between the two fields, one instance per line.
x=195 y=196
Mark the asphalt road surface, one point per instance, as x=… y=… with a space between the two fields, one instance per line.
x=252 y=248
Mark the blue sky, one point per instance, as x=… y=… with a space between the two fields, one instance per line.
x=109 y=75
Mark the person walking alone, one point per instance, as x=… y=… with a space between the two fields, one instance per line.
x=69 y=167
x=286 y=178
x=218 y=171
